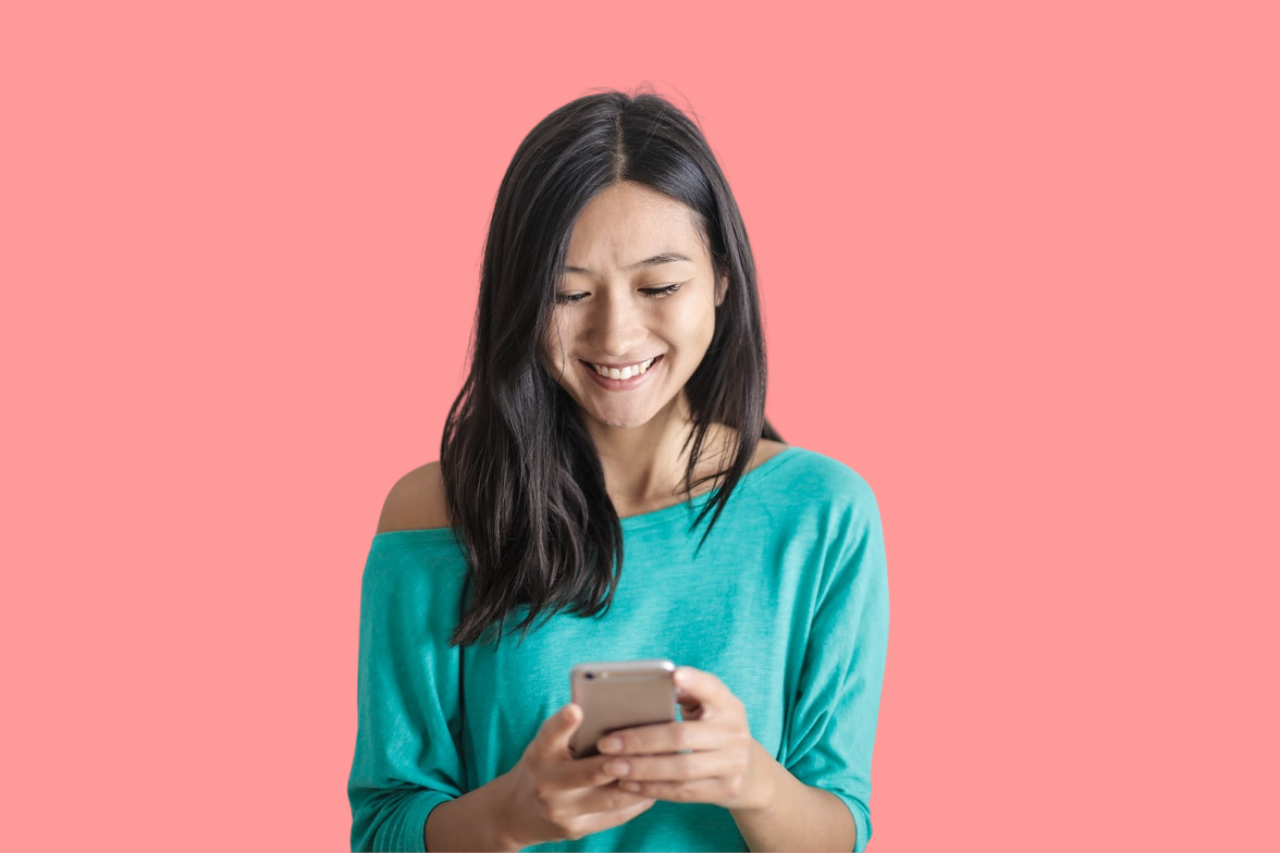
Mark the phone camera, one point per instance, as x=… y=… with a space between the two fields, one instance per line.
x=591 y=676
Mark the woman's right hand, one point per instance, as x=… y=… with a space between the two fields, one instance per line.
x=553 y=796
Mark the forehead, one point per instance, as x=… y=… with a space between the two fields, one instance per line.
x=627 y=222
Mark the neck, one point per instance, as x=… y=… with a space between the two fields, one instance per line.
x=644 y=467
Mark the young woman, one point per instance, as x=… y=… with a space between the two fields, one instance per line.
x=615 y=408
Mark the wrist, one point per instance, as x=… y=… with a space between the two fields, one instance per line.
x=477 y=820
x=506 y=835
x=760 y=788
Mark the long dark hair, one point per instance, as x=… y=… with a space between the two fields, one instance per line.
x=523 y=481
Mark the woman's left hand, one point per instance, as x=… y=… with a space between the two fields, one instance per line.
x=709 y=757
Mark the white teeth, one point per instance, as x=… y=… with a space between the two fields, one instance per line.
x=625 y=372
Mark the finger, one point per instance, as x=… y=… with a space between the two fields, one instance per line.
x=694 y=688
x=677 y=768
x=600 y=821
x=664 y=737
x=583 y=773
x=695 y=791
x=609 y=798
x=557 y=730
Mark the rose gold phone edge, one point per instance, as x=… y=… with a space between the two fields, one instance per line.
x=650 y=698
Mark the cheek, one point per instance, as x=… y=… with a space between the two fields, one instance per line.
x=552 y=358
x=696 y=328
x=553 y=354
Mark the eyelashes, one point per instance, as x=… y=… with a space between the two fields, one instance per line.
x=663 y=291
x=660 y=292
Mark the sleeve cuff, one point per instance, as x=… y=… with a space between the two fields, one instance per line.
x=861 y=819
x=412 y=829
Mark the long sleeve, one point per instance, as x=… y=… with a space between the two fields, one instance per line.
x=833 y=726
x=406 y=756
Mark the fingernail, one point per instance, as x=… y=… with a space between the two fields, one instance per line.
x=610 y=744
x=618 y=768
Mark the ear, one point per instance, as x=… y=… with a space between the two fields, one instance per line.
x=722 y=288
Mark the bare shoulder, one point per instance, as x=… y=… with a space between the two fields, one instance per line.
x=766 y=450
x=416 y=501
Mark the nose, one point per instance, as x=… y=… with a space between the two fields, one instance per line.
x=618 y=326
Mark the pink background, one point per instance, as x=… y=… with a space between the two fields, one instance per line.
x=1019 y=264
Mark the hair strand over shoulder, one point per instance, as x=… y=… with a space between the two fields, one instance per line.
x=523 y=482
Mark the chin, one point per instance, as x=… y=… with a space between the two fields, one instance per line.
x=616 y=422
x=615 y=419
x=618 y=413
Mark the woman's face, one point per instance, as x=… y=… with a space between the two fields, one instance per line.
x=635 y=307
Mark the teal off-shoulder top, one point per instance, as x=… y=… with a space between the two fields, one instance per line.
x=787 y=603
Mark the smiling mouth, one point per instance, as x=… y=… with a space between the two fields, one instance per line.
x=625 y=372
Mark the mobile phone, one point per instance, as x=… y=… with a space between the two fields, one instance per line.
x=618 y=695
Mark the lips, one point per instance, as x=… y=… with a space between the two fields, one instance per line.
x=624 y=371
x=621 y=377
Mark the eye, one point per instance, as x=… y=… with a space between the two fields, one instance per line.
x=662 y=291
x=569 y=298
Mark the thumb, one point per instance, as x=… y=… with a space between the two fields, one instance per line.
x=557 y=730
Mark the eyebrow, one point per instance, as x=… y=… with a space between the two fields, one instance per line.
x=664 y=258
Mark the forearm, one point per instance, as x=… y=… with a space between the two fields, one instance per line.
x=471 y=822
x=793 y=815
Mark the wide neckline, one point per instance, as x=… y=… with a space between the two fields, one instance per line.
x=631 y=522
